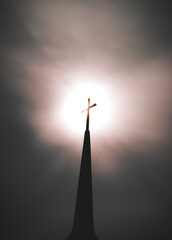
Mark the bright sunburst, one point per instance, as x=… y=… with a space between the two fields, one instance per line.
x=77 y=100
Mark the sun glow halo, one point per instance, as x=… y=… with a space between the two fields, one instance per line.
x=77 y=100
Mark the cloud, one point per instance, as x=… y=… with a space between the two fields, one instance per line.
x=43 y=45
x=81 y=38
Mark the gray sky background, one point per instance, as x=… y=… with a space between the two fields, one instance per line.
x=125 y=44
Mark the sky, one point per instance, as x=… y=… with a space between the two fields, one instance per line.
x=47 y=49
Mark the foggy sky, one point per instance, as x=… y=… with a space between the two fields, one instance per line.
x=128 y=45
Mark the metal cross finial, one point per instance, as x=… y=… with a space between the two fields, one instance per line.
x=88 y=113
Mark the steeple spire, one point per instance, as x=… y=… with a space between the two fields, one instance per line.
x=83 y=225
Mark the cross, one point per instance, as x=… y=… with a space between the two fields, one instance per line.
x=88 y=113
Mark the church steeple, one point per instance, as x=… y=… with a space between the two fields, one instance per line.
x=83 y=225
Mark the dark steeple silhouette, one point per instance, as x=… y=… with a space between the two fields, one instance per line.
x=83 y=225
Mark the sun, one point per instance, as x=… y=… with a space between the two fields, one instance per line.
x=77 y=100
